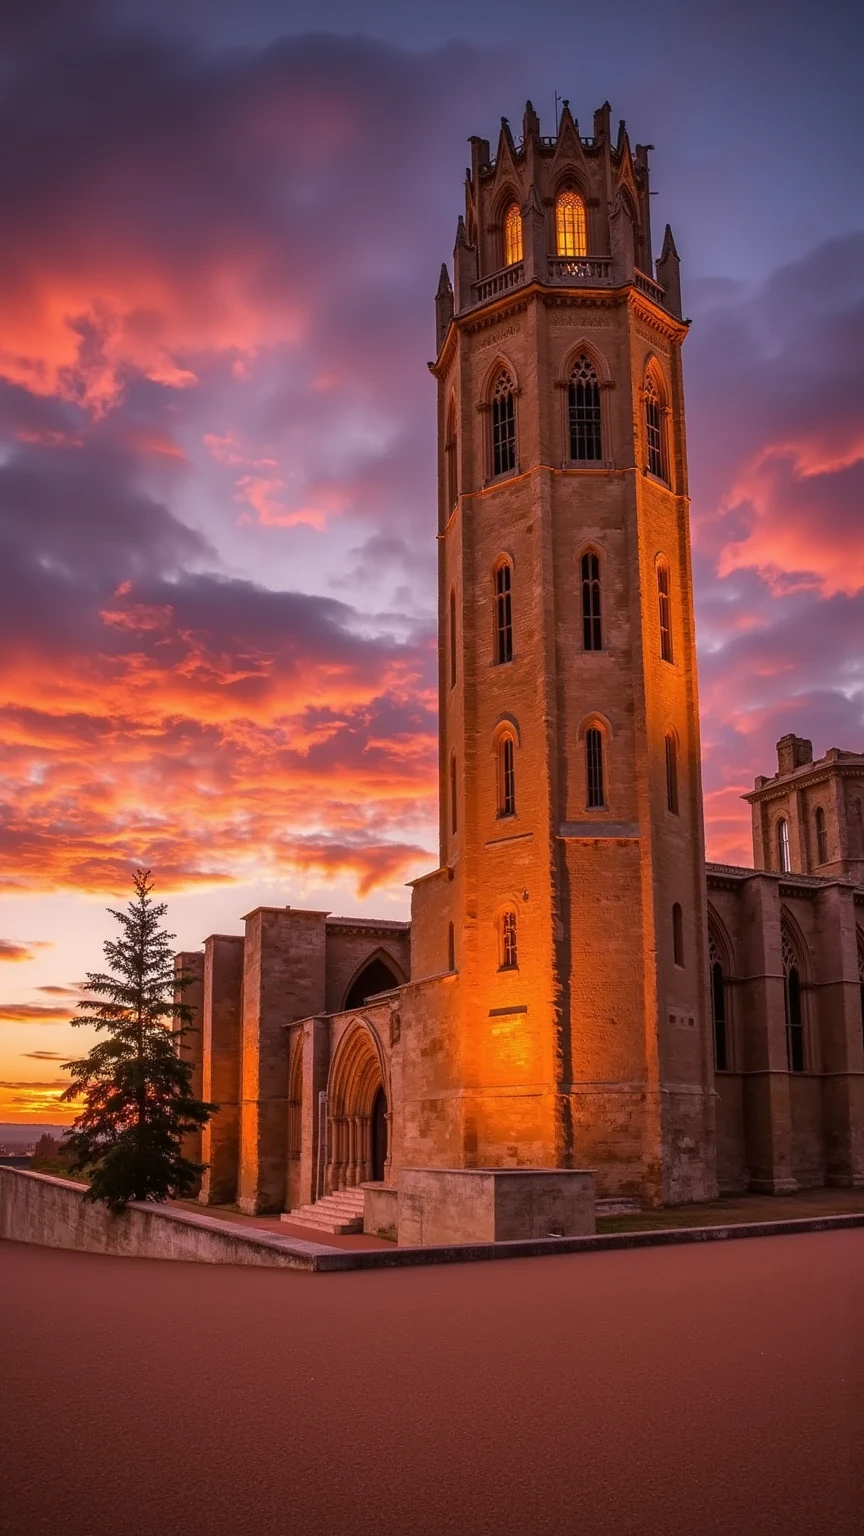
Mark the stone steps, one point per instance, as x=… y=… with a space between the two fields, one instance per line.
x=338 y=1213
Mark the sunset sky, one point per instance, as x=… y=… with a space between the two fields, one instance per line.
x=222 y=225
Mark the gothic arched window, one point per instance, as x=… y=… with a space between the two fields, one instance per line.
x=583 y=411
x=506 y=776
x=503 y=613
x=508 y=946
x=664 y=610
x=592 y=628
x=677 y=934
x=512 y=235
x=655 y=437
x=792 y=1004
x=503 y=425
x=671 y=774
x=594 y=767
x=571 y=230
x=821 y=835
x=718 y=1007
x=784 y=862
x=450 y=460
x=454 y=813
x=452 y=637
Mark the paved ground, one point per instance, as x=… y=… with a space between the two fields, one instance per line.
x=690 y=1392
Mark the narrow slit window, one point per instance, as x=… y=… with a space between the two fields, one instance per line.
x=677 y=934
x=654 y=430
x=512 y=235
x=503 y=425
x=454 y=814
x=509 y=946
x=671 y=775
x=821 y=836
x=594 y=767
x=506 y=777
x=784 y=862
x=451 y=947
x=571 y=230
x=718 y=1012
x=452 y=638
x=861 y=979
x=664 y=607
x=503 y=613
x=451 y=462
x=795 y=1054
x=583 y=412
x=592 y=626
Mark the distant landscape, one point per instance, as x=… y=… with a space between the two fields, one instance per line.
x=27 y=1135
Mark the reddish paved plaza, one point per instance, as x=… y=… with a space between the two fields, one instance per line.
x=688 y=1391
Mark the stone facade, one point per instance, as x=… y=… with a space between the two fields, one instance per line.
x=571 y=992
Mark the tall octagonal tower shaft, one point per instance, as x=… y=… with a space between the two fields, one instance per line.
x=574 y=910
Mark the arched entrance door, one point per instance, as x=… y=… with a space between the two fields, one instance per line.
x=379 y=1134
x=357 y=1121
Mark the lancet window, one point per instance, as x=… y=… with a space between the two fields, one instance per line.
x=594 y=767
x=664 y=610
x=821 y=835
x=454 y=810
x=784 y=861
x=718 y=1006
x=509 y=948
x=571 y=230
x=592 y=623
x=792 y=1003
x=451 y=460
x=503 y=613
x=671 y=774
x=677 y=934
x=512 y=235
x=583 y=412
x=654 y=430
x=452 y=637
x=503 y=425
x=506 y=776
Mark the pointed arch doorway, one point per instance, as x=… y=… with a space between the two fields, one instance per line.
x=358 y=1112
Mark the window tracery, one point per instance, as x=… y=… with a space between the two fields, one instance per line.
x=654 y=433
x=792 y=1004
x=594 y=767
x=592 y=625
x=506 y=776
x=571 y=231
x=512 y=235
x=503 y=613
x=718 y=1006
x=583 y=412
x=664 y=610
x=503 y=425
x=509 y=957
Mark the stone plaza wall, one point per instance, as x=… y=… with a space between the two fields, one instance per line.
x=35 y=1208
x=439 y=1206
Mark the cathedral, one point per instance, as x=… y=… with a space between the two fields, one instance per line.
x=576 y=988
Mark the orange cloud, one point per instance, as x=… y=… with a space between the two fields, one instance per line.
x=20 y=952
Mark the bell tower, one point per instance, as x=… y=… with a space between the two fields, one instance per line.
x=573 y=909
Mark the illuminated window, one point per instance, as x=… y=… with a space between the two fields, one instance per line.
x=784 y=863
x=453 y=638
x=571 y=236
x=664 y=610
x=512 y=235
x=671 y=775
x=654 y=434
x=509 y=949
x=594 y=767
x=821 y=836
x=792 y=1003
x=503 y=425
x=677 y=934
x=454 y=816
x=506 y=777
x=583 y=410
x=592 y=632
x=503 y=614
x=450 y=460
x=718 y=1007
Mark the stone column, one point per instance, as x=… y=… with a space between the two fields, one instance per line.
x=836 y=999
x=223 y=980
x=191 y=1047
x=316 y=1062
x=283 y=980
x=762 y=1032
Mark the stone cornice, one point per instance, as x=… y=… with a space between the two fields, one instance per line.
x=817 y=773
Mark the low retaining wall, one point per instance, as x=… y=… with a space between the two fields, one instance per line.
x=381 y=1210
x=443 y=1206
x=36 y=1208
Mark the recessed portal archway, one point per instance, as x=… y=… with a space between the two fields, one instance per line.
x=376 y=976
x=358 y=1118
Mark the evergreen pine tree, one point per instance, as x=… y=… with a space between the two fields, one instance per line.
x=137 y=1090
